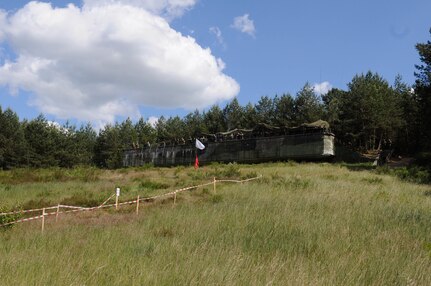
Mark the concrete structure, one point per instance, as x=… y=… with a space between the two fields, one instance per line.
x=315 y=145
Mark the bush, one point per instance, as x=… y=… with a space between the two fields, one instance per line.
x=231 y=171
x=151 y=185
x=249 y=175
x=8 y=218
x=414 y=174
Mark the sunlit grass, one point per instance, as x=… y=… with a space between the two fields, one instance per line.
x=317 y=224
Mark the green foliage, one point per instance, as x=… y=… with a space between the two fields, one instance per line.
x=152 y=185
x=373 y=180
x=232 y=170
x=233 y=114
x=308 y=107
x=284 y=110
x=81 y=199
x=265 y=110
x=414 y=174
x=4 y=219
x=369 y=113
x=12 y=140
x=423 y=91
x=214 y=120
x=249 y=175
x=215 y=199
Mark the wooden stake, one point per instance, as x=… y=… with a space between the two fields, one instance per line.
x=58 y=210
x=43 y=219
x=117 y=194
x=215 y=189
x=137 y=206
x=175 y=197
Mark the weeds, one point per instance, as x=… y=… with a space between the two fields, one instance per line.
x=215 y=199
x=414 y=174
x=8 y=218
x=373 y=180
x=151 y=185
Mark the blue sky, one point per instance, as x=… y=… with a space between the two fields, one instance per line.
x=133 y=69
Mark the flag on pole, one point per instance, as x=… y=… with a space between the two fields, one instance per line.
x=199 y=145
x=196 y=162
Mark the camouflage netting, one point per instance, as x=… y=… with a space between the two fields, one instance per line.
x=319 y=124
x=322 y=124
x=264 y=130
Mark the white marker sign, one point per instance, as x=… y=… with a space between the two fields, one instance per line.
x=117 y=191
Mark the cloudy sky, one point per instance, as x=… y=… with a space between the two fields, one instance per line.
x=105 y=60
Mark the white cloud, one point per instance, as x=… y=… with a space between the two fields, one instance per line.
x=56 y=125
x=169 y=9
x=244 y=24
x=216 y=31
x=322 y=88
x=3 y=17
x=97 y=62
x=153 y=120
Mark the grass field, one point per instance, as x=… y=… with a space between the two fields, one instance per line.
x=301 y=224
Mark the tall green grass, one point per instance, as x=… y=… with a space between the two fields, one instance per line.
x=302 y=224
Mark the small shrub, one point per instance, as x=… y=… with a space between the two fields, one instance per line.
x=178 y=170
x=373 y=180
x=276 y=176
x=8 y=218
x=330 y=177
x=382 y=196
x=296 y=183
x=196 y=175
x=161 y=172
x=231 y=171
x=35 y=204
x=414 y=174
x=291 y=163
x=144 y=167
x=164 y=232
x=264 y=180
x=90 y=175
x=7 y=188
x=151 y=185
x=215 y=199
x=249 y=175
x=43 y=194
x=81 y=200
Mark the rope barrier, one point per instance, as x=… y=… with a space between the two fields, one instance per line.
x=104 y=205
x=26 y=211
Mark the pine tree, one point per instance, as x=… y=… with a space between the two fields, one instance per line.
x=423 y=91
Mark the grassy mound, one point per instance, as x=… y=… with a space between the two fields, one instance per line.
x=316 y=224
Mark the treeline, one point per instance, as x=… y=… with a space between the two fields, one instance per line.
x=370 y=114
